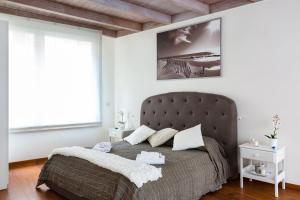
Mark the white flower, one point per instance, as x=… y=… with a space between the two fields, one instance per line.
x=276 y=121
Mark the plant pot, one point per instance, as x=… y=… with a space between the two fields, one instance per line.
x=274 y=143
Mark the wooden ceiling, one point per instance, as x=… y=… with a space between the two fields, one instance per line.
x=117 y=17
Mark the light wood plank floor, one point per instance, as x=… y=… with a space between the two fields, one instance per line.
x=23 y=180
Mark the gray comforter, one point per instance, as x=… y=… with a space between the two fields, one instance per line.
x=186 y=175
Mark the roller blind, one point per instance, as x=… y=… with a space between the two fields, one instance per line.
x=54 y=75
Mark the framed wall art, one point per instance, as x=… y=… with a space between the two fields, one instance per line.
x=190 y=52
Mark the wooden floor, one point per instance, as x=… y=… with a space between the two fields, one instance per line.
x=23 y=180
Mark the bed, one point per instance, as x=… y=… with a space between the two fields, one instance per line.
x=187 y=174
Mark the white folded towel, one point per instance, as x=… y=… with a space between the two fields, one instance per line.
x=154 y=158
x=103 y=147
x=104 y=144
x=150 y=154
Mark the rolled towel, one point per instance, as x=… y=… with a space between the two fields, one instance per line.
x=104 y=144
x=103 y=147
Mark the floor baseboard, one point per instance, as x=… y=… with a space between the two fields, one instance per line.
x=27 y=163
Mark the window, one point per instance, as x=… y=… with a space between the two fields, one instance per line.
x=54 y=73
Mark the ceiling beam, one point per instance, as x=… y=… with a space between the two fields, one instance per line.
x=12 y=11
x=123 y=33
x=184 y=16
x=134 y=10
x=151 y=25
x=192 y=5
x=77 y=13
x=228 y=4
x=215 y=7
x=218 y=6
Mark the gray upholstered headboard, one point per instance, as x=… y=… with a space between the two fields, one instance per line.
x=180 y=110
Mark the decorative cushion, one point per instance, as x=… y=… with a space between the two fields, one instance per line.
x=162 y=136
x=139 y=135
x=188 y=139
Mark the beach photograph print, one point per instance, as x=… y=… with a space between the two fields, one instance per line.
x=190 y=52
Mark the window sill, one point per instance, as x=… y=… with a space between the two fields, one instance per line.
x=54 y=127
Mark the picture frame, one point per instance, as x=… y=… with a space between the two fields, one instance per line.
x=192 y=51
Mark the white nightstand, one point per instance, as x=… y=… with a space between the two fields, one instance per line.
x=264 y=154
x=116 y=135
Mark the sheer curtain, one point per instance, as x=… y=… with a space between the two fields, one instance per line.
x=54 y=75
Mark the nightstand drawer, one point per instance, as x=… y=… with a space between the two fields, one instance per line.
x=257 y=155
x=116 y=133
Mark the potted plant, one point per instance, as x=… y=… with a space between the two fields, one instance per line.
x=274 y=135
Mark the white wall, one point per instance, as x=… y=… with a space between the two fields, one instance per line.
x=3 y=105
x=25 y=146
x=261 y=69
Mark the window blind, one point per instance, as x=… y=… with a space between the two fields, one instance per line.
x=54 y=75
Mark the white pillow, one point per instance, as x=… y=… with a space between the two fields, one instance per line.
x=188 y=139
x=161 y=136
x=139 y=135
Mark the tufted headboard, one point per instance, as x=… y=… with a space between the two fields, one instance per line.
x=181 y=110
